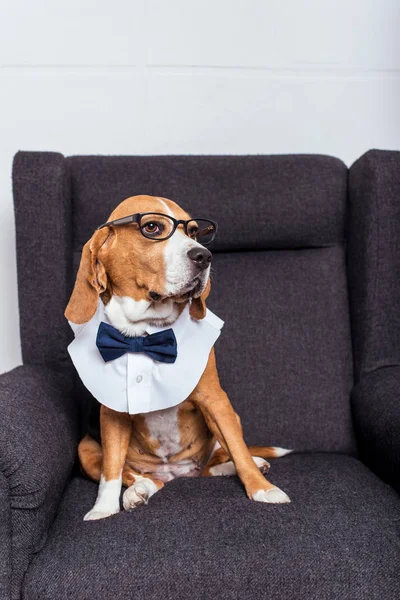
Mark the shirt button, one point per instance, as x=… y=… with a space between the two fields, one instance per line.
x=139 y=379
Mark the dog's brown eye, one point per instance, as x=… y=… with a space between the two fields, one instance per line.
x=193 y=231
x=156 y=226
x=151 y=228
x=201 y=230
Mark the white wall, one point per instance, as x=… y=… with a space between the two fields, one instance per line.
x=183 y=76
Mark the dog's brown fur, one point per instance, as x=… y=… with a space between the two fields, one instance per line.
x=109 y=266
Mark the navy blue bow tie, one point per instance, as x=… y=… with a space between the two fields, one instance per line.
x=159 y=346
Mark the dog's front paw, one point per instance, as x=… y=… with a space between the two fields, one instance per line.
x=273 y=496
x=97 y=513
x=138 y=493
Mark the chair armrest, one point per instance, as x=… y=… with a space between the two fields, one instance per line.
x=376 y=412
x=5 y=539
x=373 y=260
x=38 y=439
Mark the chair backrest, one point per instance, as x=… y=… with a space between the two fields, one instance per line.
x=279 y=279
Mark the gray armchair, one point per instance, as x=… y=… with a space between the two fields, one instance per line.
x=307 y=256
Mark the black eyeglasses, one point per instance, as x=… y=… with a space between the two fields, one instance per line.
x=157 y=226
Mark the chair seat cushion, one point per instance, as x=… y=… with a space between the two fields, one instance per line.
x=202 y=538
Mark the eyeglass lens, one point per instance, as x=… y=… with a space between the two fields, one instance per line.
x=201 y=230
x=155 y=226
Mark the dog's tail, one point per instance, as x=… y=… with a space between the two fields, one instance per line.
x=268 y=451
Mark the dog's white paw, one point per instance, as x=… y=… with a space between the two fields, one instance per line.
x=223 y=470
x=228 y=468
x=107 y=501
x=97 y=513
x=273 y=496
x=262 y=464
x=138 y=493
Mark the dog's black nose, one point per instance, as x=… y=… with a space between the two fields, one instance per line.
x=200 y=256
x=154 y=296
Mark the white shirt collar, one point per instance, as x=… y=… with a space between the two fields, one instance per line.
x=135 y=383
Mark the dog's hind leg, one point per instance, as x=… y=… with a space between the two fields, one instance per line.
x=90 y=457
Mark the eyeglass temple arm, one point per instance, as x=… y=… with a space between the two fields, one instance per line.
x=121 y=221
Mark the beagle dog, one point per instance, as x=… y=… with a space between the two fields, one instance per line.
x=146 y=268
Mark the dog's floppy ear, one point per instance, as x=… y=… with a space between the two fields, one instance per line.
x=198 y=305
x=91 y=281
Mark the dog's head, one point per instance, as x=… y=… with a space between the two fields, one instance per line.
x=144 y=265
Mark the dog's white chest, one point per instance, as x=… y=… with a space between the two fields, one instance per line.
x=163 y=427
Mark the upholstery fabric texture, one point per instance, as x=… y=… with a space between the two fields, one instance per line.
x=38 y=440
x=202 y=538
x=290 y=382
x=376 y=409
x=5 y=539
x=42 y=203
x=374 y=293
x=307 y=255
x=258 y=201
x=374 y=260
